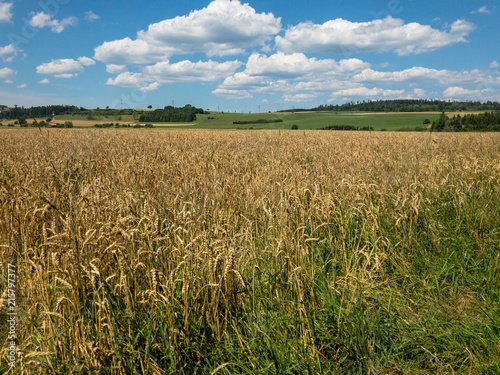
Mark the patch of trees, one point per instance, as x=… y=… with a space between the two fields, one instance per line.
x=45 y=111
x=487 y=121
x=259 y=121
x=407 y=105
x=172 y=114
x=347 y=127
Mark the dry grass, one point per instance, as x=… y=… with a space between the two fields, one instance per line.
x=254 y=252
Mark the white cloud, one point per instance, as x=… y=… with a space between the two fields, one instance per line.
x=127 y=79
x=187 y=71
x=42 y=19
x=91 y=16
x=299 y=97
x=232 y=94
x=152 y=87
x=420 y=74
x=63 y=68
x=151 y=77
x=494 y=65
x=365 y=92
x=22 y=86
x=224 y=27
x=484 y=9
x=460 y=92
x=128 y=51
x=342 y=36
x=298 y=64
x=115 y=69
x=44 y=81
x=8 y=53
x=5 y=73
x=283 y=73
x=5 y=13
x=86 y=61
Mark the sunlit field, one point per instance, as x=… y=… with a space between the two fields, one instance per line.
x=251 y=252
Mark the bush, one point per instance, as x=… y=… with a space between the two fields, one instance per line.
x=68 y=124
x=427 y=121
x=295 y=127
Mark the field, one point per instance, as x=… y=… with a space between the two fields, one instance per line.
x=304 y=120
x=251 y=252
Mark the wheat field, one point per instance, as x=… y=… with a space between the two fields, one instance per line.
x=252 y=252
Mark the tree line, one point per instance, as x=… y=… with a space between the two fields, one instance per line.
x=488 y=121
x=407 y=105
x=172 y=114
x=46 y=111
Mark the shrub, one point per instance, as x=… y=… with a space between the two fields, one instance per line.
x=295 y=126
x=68 y=124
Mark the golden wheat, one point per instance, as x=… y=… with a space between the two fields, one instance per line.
x=185 y=223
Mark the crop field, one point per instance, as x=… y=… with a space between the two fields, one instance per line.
x=250 y=252
x=304 y=120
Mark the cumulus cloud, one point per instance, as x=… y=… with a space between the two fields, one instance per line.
x=115 y=69
x=44 y=81
x=5 y=13
x=22 y=86
x=91 y=16
x=460 y=92
x=298 y=64
x=232 y=94
x=494 y=65
x=484 y=10
x=297 y=98
x=187 y=71
x=301 y=78
x=224 y=27
x=42 y=19
x=421 y=75
x=151 y=77
x=127 y=79
x=134 y=80
x=8 y=53
x=65 y=68
x=290 y=73
x=5 y=73
x=388 y=34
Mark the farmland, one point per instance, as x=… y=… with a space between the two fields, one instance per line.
x=304 y=120
x=253 y=252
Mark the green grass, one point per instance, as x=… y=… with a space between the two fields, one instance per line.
x=316 y=120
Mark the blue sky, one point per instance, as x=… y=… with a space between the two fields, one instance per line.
x=242 y=56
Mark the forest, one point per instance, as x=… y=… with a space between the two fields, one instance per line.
x=488 y=121
x=171 y=114
x=407 y=105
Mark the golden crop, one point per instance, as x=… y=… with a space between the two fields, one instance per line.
x=110 y=229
